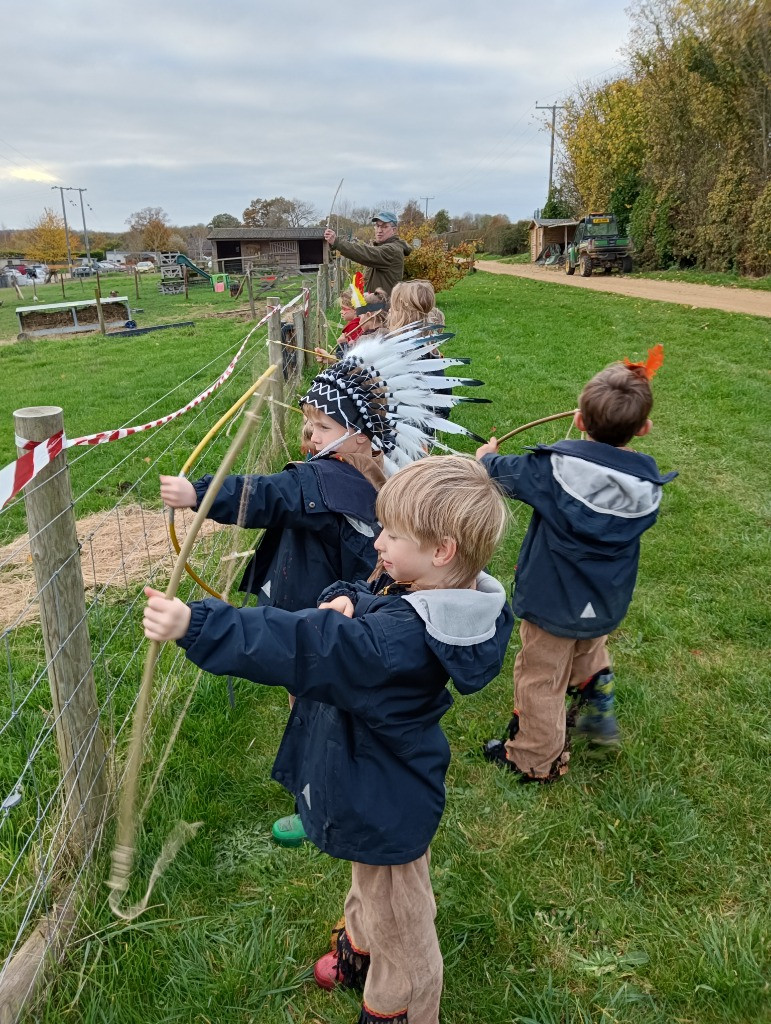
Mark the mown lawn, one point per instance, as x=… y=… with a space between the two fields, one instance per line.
x=633 y=891
x=149 y=307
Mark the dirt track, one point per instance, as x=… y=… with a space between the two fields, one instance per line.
x=706 y=296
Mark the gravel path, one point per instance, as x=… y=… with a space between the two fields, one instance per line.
x=706 y=296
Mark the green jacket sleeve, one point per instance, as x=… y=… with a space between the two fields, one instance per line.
x=366 y=254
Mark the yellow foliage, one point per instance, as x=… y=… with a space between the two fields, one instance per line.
x=46 y=239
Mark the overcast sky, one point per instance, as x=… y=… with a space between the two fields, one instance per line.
x=200 y=107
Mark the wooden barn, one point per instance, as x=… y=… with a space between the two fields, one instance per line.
x=544 y=232
x=235 y=250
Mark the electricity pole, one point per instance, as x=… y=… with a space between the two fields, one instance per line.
x=83 y=214
x=66 y=228
x=554 y=108
x=426 y=199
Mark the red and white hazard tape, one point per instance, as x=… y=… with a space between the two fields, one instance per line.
x=16 y=474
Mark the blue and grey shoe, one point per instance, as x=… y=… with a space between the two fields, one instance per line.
x=597 y=722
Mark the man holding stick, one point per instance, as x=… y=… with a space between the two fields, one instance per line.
x=383 y=260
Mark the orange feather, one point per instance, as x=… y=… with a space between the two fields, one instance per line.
x=653 y=363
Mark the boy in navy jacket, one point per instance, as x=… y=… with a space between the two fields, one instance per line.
x=363 y=752
x=369 y=413
x=592 y=500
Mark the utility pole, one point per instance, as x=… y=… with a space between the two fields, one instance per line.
x=426 y=199
x=83 y=214
x=554 y=108
x=66 y=228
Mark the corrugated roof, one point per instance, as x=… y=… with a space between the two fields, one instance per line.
x=258 y=234
x=542 y=222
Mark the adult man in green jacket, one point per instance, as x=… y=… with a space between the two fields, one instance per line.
x=384 y=260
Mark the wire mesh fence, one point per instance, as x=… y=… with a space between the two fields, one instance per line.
x=72 y=646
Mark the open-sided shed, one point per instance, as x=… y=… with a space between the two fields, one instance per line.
x=545 y=231
x=238 y=249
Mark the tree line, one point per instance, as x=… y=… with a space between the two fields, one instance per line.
x=150 y=230
x=678 y=148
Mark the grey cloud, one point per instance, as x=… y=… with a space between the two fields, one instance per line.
x=201 y=108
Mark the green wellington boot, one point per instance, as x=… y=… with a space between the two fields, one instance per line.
x=598 y=722
x=289 y=831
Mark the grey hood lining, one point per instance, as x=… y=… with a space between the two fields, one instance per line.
x=605 y=491
x=460 y=617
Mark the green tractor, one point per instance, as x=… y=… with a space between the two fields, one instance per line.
x=597 y=245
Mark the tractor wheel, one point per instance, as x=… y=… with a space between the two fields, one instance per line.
x=626 y=265
x=585 y=266
x=570 y=268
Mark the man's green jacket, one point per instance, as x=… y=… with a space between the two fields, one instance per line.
x=384 y=261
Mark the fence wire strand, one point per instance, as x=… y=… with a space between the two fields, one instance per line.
x=46 y=868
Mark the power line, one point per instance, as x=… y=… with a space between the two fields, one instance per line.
x=426 y=199
x=554 y=108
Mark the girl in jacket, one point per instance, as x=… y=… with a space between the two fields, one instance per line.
x=363 y=752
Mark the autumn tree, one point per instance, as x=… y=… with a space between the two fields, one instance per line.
x=441 y=222
x=411 y=217
x=681 y=146
x=278 y=213
x=433 y=260
x=224 y=220
x=46 y=240
x=150 y=228
x=196 y=242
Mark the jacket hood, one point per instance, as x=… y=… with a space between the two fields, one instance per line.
x=395 y=240
x=467 y=630
x=605 y=490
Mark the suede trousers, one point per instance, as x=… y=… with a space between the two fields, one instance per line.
x=545 y=667
x=389 y=914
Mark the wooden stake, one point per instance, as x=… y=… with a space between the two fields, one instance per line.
x=99 y=310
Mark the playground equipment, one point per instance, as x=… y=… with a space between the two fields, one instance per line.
x=172 y=274
x=184 y=261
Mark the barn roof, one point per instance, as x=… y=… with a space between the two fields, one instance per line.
x=262 y=234
x=546 y=222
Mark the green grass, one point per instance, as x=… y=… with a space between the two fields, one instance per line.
x=633 y=891
x=707 y=277
x=156 y=308
x=522 y=257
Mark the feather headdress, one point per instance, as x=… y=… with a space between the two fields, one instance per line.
x=390 y=387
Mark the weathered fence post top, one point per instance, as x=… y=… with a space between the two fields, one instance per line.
x=41 y=413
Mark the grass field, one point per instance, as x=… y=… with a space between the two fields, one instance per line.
x=633 y=891
x=155 y=308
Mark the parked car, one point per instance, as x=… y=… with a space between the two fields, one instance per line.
x=107 y=267
x=84 y=271
x=144 y=266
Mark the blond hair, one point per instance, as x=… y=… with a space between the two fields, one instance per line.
x=616 y=403
x=346 y=298
x=446 y=496
x=411 y=302
x=306 y=448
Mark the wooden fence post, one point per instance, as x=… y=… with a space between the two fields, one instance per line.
x=250 y=291
x=56 y=558
x=99 y=310
x=299 y=339
x=276 y=355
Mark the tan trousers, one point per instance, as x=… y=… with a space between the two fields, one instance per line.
x=389 y=913
x=543 y=670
